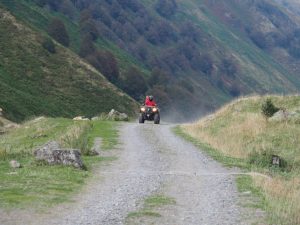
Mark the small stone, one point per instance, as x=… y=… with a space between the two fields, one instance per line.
x=14 y=164
x=93 y=152
x=276 y=160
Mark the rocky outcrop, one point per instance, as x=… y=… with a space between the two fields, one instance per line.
x=117 y=116
x=1 y=112
x=52 y=154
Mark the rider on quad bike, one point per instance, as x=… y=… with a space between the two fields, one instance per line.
x=150 y=101
x=149 y=111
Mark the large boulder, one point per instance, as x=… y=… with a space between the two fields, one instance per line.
x=117 y=116
x=1 y=112
x=284 y=115
x=52 y=154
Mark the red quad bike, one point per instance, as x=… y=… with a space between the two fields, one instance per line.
x=150 y=113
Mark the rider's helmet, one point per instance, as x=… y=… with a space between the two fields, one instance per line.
x=151 y=98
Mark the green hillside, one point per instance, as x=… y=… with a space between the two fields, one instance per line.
x=191 y=55
x=34 y=81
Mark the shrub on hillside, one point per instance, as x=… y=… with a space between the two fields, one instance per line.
x=58 y=31
x=158 y=77
x=161 y=96
x=106 y=63
x=268 y=109
x=49 y=45
x=134 y=83
x=88 y=27
x=205 y=64
x=87 y=46
x=166 y=8
x=68 y=9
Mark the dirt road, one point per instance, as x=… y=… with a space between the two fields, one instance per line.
x=151 y=159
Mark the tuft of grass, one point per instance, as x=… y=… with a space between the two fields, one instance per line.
x=159 y=200
x=151 y=204
x=143 y=214
x=77 y=137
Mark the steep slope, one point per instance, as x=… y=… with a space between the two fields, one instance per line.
x=34 y=81
x=291 y=5
x=272 y=25
x=192 y=55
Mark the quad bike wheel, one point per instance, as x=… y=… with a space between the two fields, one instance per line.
x=141 y=119
x=156 y=119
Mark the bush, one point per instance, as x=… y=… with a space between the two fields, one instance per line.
x=268 y=109
x=166 y=8
x=87 y=46
x=58 y=31
x=49 y=45
x=134 y=83
x=106 y=63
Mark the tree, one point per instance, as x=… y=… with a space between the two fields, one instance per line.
x=191 y=32
x=205 y=64
x=158 y=77
x=161 y=97
x=106 y=63
x=268 y=109
x=258 y=38
x=87 y=46
x=58 y=31
x=89 y=27
x=166 y=8
x=68 y=9
x=134 y=83
x=229 y=67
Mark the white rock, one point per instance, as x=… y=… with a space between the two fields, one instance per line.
x=14 y=164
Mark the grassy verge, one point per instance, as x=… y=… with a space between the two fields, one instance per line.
x=215 y=154
x=238 y=135
x=107 y=131
x=39 y=186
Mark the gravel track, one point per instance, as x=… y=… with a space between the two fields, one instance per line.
x=152 y=159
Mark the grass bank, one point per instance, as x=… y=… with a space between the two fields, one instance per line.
x=41 y=186
x=238 y=135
